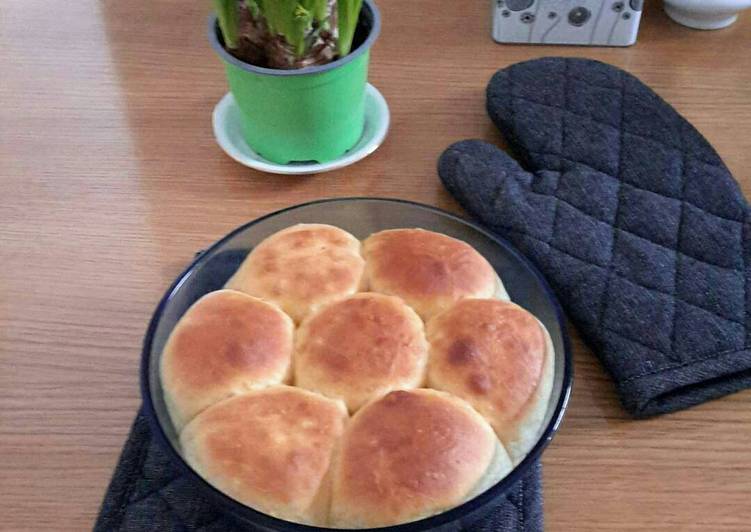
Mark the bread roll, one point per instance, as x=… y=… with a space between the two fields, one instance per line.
x=360 y=348
x=269 y=449
x=301 y=268
x=226 y=343
x=412 y=454
x=430 y=271
x=499 y=357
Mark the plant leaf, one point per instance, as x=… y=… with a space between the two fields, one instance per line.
x=226 y=12
x=254 y=7
x=348 y=13
x=302 y=19
x=319 y=9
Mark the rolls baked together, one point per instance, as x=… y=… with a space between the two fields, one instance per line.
x=355 y=386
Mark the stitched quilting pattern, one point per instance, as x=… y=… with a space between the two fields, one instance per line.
x=626 y=208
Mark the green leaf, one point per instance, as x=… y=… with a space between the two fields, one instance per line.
x=292 y=19
x=348 y=13
x=226 y=12
x=319 y=9
x=301 y=24
x=254 y=7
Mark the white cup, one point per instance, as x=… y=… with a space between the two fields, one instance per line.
x=705 y=14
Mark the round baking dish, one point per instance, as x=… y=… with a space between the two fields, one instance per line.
x=361 y=217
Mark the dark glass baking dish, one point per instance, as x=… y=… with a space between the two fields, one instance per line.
x=361 y=217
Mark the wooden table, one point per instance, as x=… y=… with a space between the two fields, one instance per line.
x=110 y=180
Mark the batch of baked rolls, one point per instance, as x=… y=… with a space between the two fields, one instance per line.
x=357 y=385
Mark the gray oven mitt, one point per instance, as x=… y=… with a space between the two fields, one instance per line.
x=630 y=214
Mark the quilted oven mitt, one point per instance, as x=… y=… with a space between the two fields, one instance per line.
x=630 y=214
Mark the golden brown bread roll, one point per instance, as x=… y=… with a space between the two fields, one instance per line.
x=361 y=347
x=226 y=343
x=430 y=271
x=499 y=357
x=269 y=449
x=301 y=268
x=412 y=454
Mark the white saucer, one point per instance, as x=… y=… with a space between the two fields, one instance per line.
x=228 y=133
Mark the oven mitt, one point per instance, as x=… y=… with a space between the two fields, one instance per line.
x=632 y=217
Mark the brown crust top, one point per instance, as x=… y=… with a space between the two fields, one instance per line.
x=226 y=340
x=269 y=449
x=428 y=270
x=410 y=454
x=490 y=353
x=302 y=267
x=361 y=347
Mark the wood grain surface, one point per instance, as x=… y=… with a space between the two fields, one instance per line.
x=110 y=180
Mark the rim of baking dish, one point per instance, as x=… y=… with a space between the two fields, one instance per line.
x=427 y=523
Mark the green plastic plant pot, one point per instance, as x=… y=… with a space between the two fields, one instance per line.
x=309 y=114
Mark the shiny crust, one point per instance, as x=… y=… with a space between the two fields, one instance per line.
x=301 y=268
x=269 y=449
x=409 y=455
x=430 y=271
x=499 y=357
x=226 y=343
x=359 y=348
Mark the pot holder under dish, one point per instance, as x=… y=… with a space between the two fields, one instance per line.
x=148 y=492
x=630 y=214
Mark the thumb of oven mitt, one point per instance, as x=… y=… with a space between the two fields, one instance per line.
x=630 y=214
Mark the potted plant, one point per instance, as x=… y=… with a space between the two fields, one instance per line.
x=298 y=70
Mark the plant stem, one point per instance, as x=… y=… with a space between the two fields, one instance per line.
x=226 y=12
x=301 y=21
x=318 y=8
x=348 y=15
x=253 y=8
x=290 y=19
